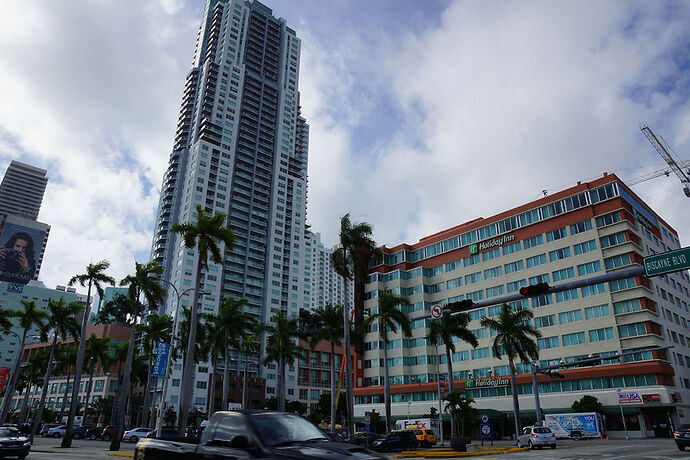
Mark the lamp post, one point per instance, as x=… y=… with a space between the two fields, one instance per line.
x=625 y=428
x=438 y=383
x=161 y=404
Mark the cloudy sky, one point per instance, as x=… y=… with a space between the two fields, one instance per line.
x=423 y=114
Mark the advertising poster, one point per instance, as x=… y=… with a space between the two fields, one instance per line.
x=20 y=248
x=161 y=360
x=3 y=376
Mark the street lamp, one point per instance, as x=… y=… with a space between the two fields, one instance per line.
x=438 y=383
x=161 y=404
x=625 y=428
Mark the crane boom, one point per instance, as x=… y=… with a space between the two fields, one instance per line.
x=665 y=152
x=659 y=172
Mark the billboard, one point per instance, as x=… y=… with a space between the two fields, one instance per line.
x=20 y=248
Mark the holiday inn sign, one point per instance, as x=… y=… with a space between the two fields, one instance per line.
x=487 y=382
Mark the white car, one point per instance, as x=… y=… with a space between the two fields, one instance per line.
x=536 y=436
x=57 y=432
x=136 y=434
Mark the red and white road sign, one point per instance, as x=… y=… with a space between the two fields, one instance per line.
x=436 y=311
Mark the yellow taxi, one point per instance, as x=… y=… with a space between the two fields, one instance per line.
x=426 y=437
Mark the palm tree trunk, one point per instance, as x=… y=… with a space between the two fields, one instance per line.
x=44 y=391
x=244 y=383
x=187 y=384
x=226 y=377
x=281 y=383
x=13 y=381
x=449 y=362
x=516 y=402
x=25 y=403
x=348 y=371
x=147 y=395
x=124 y=390
x=88 y=389
x=64 y=399
x=333 y=390
x=113 y=409
x=386 y=384
x=67 y=439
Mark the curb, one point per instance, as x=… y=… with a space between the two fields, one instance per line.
x=447 y=453
x=118 y=454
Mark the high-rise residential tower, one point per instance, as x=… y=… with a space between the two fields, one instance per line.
x=325 y=285
x=240 y=149
x=22 y=189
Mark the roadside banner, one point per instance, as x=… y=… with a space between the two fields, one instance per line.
x=3 y=376
x=161 y=361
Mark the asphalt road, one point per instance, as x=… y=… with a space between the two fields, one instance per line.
x=49 y=448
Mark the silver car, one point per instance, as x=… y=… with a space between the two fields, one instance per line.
x=536 y=436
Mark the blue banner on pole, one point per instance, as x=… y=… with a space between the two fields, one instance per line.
x=161 y=360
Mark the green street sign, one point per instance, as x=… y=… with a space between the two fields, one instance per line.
x=668 y=262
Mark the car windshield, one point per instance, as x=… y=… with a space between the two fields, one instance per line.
x=283 y=429
x=542 y=430
x=9 y=432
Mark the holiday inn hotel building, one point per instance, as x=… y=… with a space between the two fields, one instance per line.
x=591 y=229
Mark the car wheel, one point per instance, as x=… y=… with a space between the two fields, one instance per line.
x=518 y=444
x=106 y=437
x=92 y=437
x=576 y=436
x=133 y=439
x=531 y=446
x=76 y=435
x=56 y=435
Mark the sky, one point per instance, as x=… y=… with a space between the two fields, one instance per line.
x=423 y=114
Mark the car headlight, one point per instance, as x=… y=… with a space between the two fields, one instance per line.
x=27 y=444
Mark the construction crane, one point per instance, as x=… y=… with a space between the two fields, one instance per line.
x=665 y=151
x=659 y=172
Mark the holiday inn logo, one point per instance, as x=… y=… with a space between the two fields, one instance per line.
x=488 y=382
x=473 y=249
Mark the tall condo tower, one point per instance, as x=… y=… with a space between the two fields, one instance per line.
x=241 y=149
x=22 y=189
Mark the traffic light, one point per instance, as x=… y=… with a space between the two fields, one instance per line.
x=462 y=305
x=539 y=288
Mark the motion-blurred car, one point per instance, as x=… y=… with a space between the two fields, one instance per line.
x=365 y=439
x=57 y=431
x=94 y=432
x=426 y=437
x=46 y=427
x=13 y=442
x=168 y=433
x=396 y=440
x=108 y=433
x=682 y=436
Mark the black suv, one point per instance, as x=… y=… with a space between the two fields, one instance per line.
x=682 y=436
x=397 y=440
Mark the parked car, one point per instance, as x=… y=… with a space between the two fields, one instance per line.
x=79 y=432
x=365 y=439
x=46 y=427
x=135 y=434
x=94 y=432
x=536 y=436
x=57 y=431
x=682 y=436
x=108 y=433
x=397 y=440
x=13 y=442
x=426 y=438
x=256 y=434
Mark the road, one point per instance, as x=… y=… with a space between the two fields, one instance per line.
x=634 y=449
x=49 y=448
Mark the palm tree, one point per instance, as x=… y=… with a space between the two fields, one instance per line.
x=119 y=357
x=513 y=331
x=205 y=235
x=156 y=329
x=94 y=277
x=443 y=331
x=460 y=407
x=101 y=406
x=231 y=323
x=97 y=351
x=5 y=322
x=350 y=261
x=63 y=322
x=64 y=360
x=29 y=317
x=142 y=283
x=32 y=377
x=248 y=345
x=329 y=327
x=281 y=348
x=389 y=317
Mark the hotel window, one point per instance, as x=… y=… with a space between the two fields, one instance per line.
x=589 y=268
x=632 y=330
x=585 y=247
x=598 y=335
x=473 y=278
x=536 y=260
x=544 y=278
x=511 y=248
x=514 y=267
x=612 y=240
x=570 y=316
x=480 y=353
x=563 y=274
x=617 y=261
x=593 y=290
x=492 y=254
x=597 y=311
x=534 y=241
x=580 y=227
x=620 y=285
x=493 y=273
x=545 y=321
x=575 y=338
x=494 y=291
x=547 y=342
x=516 y=285
x=608 y=219
x=556 y=234
x=542 y=300
x=564 y=296
x=559 y=254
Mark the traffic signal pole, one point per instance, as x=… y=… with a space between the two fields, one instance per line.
x=465 y=305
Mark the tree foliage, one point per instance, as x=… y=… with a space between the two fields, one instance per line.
x=587 y=403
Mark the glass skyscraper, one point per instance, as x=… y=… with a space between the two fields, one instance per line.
x=241 y=149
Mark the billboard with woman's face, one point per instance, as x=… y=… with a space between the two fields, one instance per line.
x=20 y=248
